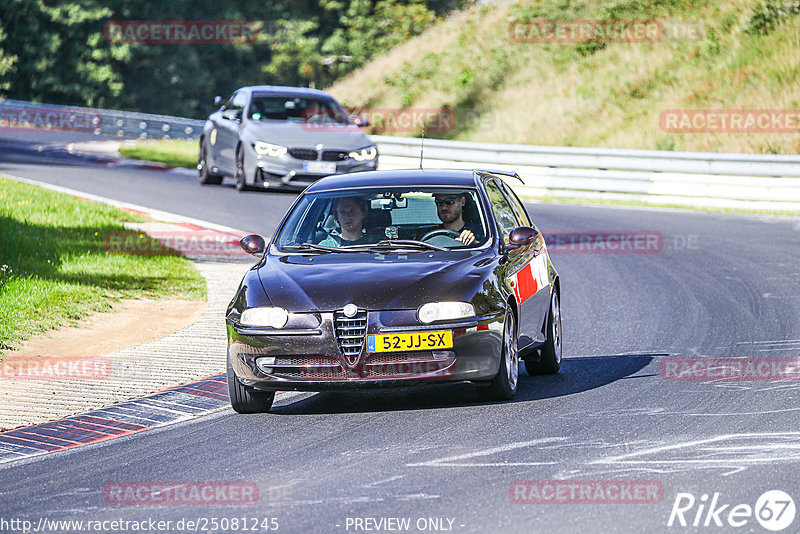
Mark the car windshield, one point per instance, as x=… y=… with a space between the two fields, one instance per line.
x=297 y=109
x=411 y=218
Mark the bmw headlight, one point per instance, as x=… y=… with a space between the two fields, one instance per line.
x=264 y=316
x=365 y=154
x=443 y=311
x=268 y=149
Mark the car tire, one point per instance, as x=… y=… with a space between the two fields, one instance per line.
x=245 y=399
x=550 y=356
x=238 y=175
x=504 y=385
x=203 y=172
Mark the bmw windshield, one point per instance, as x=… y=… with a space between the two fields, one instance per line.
x=415 y=218
x=297 y=109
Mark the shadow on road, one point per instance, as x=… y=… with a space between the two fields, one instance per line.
x=577 y=375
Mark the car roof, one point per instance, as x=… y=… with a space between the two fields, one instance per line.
x=415 y=177
x=282 y=90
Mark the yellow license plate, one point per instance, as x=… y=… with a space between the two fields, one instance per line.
x=442 y=339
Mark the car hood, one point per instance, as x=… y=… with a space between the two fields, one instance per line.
x=372 y=281
x=306 y=135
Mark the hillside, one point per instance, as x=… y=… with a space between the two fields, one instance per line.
x=712 y=55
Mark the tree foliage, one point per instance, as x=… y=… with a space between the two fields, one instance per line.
x=56 y=51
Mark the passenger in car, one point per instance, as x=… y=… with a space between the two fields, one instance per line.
x=350 y=213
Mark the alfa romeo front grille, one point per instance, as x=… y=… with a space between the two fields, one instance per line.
x=350 y=332
x=303 y=153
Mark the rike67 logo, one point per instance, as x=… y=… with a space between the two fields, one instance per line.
x=774 y=510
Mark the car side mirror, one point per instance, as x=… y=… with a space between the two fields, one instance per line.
x=253 y=244
x=521 y=237
x=217 y=101
x=232 y=114
x=359 y=121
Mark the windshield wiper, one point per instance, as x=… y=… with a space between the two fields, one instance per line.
x=309 y=246
x=392 y=244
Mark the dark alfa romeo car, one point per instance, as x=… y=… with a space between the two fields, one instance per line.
x=395 y=278
x=281 y=137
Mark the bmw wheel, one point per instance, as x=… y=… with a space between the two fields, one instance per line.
x=203 y=172
x=504 y=385
x=245 y=399
x=550 y=360
x=239 y=176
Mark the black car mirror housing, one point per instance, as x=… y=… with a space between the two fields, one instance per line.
x=232 y=114
x=359 y=121
x=520 y=237
x=253 y=244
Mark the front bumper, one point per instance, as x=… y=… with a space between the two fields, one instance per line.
x=311 y=360
x=288 y=171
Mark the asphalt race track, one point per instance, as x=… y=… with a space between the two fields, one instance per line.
x=712 y=286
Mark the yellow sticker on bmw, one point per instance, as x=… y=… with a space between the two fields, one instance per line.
x=442 y=339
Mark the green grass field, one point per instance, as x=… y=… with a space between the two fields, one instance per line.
x=731 y=54
x=54 y=267
x=171 y=152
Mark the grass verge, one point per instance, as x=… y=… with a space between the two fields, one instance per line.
x=712 y=55
x=55 y=268
x=170 y=152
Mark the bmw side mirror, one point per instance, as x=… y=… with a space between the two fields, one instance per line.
x=360 y=121
x=217 y=101
x=253 y=244
x=520 y=238
x=232 y=114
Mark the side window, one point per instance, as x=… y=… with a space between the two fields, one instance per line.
x=503 y=214
x=516 y=205
x=235 y=104
x=239 y=100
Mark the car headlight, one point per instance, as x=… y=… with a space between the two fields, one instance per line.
x=268 y=149
x=442 y=311
x=264 y=316
x=365 y=154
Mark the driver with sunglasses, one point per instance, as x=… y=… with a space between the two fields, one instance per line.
x=450 y=207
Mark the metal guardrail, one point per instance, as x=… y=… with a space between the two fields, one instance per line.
x=700 y=178
x=594 y=158
x=122 y=124
x=703 y=179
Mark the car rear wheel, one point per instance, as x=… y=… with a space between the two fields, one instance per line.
x=504 y=385
x=245 y=399
x=239 y=177
x=550 y=360
x=203 y=172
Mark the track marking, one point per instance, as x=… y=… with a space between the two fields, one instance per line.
x=450 y=460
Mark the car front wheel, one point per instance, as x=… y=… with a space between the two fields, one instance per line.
x=550 y=360
x=504 y=385
x=245 y=399
x=203 y=172
x=239 y=176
